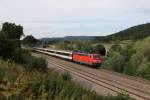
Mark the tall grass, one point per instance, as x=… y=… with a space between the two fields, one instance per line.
x=21 y=84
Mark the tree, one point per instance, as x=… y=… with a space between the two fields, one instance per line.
x=85 y=46
x=100 y=49
x=116 y=47
x=12 y=30
x=10 y=39
x=29 y=40
x=115 y=62
x=3 y=35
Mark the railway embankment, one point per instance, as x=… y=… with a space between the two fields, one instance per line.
x=102 y=80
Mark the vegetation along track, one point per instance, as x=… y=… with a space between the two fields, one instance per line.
x=104 y=79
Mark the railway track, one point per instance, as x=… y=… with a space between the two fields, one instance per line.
x=118 y=88
x=130 y=82
x=102 y=80
x=137 y=79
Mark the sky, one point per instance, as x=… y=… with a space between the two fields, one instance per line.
x=59 y=18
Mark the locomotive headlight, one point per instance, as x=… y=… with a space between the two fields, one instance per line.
x=96 y=61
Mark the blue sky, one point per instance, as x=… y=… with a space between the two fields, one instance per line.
x=58 y=18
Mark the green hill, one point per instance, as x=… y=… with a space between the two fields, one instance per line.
x=132 y=33
x=136 y=32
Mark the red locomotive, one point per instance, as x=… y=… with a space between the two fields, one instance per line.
x=82 y=58
x=88 y=59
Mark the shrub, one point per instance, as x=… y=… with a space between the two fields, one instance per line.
x=56 y=89
x=31 y=62
x=123 y=96
x=49 y=85
x=17 y=55
x=138 y=63
x=129 y=69
x=128 y=51
x=40 y=63
x=116 y=47
x=144 y=70
x=29 y=41
x=66 y=76
x=115 y=62
x=2 y=74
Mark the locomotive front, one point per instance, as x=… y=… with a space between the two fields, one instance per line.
x=96 y=60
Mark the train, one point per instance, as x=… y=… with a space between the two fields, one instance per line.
x=90 y=59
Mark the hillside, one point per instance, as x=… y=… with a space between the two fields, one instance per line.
x=48 y=40
x=132 y=33
x=68 y=38
x=136 y=32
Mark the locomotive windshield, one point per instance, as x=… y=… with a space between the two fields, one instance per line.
x=96 y=56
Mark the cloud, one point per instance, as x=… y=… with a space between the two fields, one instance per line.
x=69 y=16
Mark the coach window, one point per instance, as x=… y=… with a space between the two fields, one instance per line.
x=62 y=53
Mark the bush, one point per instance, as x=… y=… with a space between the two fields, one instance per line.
x=56 y=89
x=29 y=41
x=2 y=74
x=116 y=47
x=66 y=76
x=115 y=62
x=7 y=48
x=139 y=61
x=35 y=85
x=31 y=62
x=129 y=69
x=17 y=55
x=40 y=63
x=4 y=67
x=144 y=70
x=66 y=45
x=128 y=52
x=133 y=60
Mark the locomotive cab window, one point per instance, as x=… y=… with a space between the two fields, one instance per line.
x=83 y=55
x=96 y=56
